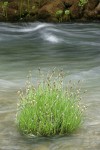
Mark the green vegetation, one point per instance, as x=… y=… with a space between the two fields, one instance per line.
x=49 y=108
x=67 y=12
x=59 y=14
x=4 y=7
x=28 y=6
x=33 y=7
x=82 y=2
x=40 y=3
x=21 y=8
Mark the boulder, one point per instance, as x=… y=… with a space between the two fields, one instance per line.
x=49 y=10
x=91 y=4
x=97 y=9
x=92 y=9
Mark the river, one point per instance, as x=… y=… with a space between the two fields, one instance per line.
x=28 y=46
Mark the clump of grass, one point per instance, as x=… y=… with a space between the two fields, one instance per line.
x=49 y=108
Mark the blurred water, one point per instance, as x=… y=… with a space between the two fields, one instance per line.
x=73 y=47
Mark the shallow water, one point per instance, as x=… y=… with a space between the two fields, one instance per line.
x=73 y=47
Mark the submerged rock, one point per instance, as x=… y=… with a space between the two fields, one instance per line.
x=49 y=10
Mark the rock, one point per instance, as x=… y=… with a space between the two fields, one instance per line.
x=76 y=11
x=91 y=4
x=50 y=9
x=97 y=9
x=15 y=15
x=92 y=10
x=69 y=3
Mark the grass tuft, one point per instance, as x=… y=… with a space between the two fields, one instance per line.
x=49 y=108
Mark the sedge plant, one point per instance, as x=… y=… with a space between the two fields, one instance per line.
x=49 y=108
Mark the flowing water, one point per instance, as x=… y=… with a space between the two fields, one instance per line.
x=73 y=47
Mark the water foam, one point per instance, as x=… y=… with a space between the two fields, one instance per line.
x=51 y=38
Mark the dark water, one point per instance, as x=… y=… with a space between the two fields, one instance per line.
x=73 y=47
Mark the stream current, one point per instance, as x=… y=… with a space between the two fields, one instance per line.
x=73 y=47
